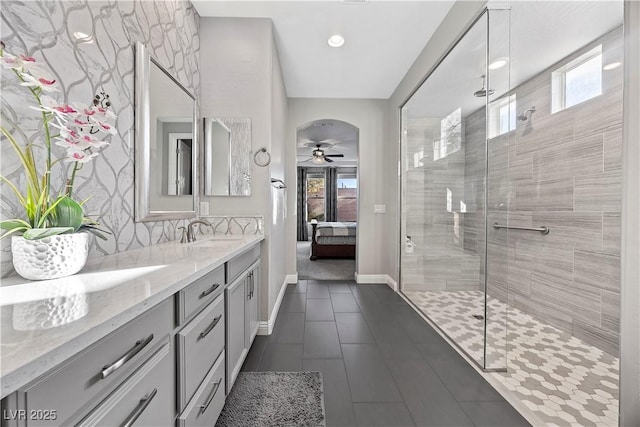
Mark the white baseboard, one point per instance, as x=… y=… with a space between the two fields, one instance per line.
x=377 y=279
x=392 y=284
x=371 y=278
x=266 y=326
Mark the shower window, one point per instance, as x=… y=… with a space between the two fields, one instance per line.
x=502 y=116
x=577 y=81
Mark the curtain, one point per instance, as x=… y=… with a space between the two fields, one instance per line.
x=331 y=192
x=303 y=234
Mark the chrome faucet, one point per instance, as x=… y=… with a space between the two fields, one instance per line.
x=191 y=237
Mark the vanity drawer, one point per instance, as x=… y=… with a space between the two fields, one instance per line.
x=144 y=399
x=239 y=264
x=198 y=294
x=208 y=402
x=199 y=345
x=88 y=376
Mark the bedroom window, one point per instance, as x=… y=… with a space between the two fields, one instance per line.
x=315 y=196
x=347 y=195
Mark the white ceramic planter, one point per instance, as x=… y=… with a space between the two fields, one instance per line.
x=51 y=257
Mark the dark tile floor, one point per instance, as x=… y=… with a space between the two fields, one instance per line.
x=381 y=363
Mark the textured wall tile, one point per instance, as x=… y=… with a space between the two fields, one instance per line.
x=579 y=229
x=611 y=232
x=597 y=270
x=601 y=338
x=613 y=149
x=597 y=117
x=570 y=158
x=611 y=311
x=599 y=192
x=44 y=30
x=545 y=195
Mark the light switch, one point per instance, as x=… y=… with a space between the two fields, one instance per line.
x=204 y=208
x=380 y=208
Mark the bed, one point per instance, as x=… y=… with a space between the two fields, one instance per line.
x=333 y=240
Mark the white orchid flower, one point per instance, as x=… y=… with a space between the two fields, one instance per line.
x=44 y=83
x=79 y=156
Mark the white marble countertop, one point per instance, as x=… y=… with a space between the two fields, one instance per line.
x=43 y=323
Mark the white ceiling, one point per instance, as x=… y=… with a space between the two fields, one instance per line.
x=383 y=39
x=334 y=136
x=541 y=34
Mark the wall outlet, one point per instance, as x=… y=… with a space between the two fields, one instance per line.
x=380 y=208
x=204 y=208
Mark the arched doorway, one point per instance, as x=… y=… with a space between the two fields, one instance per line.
x=327 y=199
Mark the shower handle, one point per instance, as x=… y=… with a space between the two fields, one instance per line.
x=544 y=229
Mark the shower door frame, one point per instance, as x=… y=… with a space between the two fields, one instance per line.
x=401 y=237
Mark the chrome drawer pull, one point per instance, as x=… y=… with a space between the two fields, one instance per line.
x=210 y=327
x=140 y=344
x=209 y=291
x=144 y=402
x=204 y=407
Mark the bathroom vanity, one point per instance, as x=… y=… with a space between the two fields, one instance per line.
x=154 y=336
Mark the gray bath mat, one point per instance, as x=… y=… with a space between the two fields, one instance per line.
x=274 y=399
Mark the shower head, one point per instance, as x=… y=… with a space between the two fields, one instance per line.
x=484 y=91
x=523 y=116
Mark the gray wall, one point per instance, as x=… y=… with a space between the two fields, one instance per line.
x=241 y=77
x=44 y=30
x=563 y=171
x=439 y=260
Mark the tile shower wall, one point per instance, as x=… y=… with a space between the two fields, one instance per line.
x=45 y=30
x=563 y=171
x=434 y=188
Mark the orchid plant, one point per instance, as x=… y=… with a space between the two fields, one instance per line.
x=79 y=129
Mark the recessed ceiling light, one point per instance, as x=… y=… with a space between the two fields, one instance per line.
x=498 y=63
x=612 y=66
x=336 y=40
x=83 y=37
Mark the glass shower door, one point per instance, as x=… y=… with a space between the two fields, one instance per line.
x=445 y=161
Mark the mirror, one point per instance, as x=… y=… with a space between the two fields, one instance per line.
x=165 y=154
x=227 y=156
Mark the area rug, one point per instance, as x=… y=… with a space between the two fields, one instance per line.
x=274 y=399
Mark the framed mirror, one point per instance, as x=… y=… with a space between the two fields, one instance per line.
x=227 y=156
x=165 y=147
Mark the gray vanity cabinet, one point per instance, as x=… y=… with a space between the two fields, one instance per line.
x=242 y=311
x=199 y=344
x=252 y=322
x=173 y=364
x=71 y=390
x=144 y=399
x=235 y=296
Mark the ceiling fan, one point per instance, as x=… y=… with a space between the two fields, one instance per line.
x=318 y=156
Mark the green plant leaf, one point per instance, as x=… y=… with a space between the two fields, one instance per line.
x=41 y=233
x=66 y=213
x=10 y=224
x=14 y=230
x=95 y=231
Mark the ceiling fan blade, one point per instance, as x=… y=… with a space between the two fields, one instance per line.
x=307 y=160
x=327 y=159
x=334 y=155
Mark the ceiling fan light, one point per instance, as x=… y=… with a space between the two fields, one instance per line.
x=318 y=160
